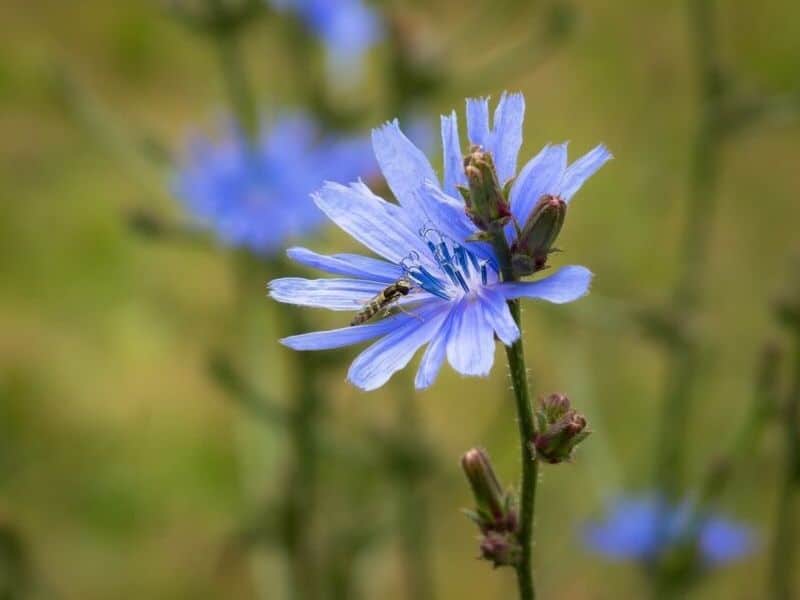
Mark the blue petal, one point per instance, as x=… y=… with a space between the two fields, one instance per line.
x=498 y=316
x=373 y=367
x=580 y=170
x=382 y=227
x=507 y=134
x=441 y=212
x=540 y=176
x=478 y=121
x=565 y=285
x=404 y=166
x=723 y=541
x=434 y=356
x=334 y=294
x=353 y=265
x=346 y=336
x=453 y=159
x=470 y=341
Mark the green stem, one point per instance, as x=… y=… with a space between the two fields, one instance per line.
x=414 y=514
x=527 y=429
x=682 y=362
x=301 y=488
x=240 y=94
x=530 y=466
x=784 y=545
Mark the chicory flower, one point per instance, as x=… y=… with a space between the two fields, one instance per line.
x=457 y=303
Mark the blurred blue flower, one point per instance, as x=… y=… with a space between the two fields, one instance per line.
x=645 y=528
x=348 y=28
x=456 y=303
x=259 y=196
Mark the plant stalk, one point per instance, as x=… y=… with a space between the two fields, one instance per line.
x=682 y=361
x=784 y=547
x=515 y=355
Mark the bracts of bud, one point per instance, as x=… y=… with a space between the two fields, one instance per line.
x=494 y=514
x=486 y=201
x=559 y=430
x=535 y=241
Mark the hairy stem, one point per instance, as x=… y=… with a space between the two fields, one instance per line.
x=527 y=429
x=530 y=466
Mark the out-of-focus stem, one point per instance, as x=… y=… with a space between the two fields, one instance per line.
x=301 y=487
x=746 y=437
x=414 y=517
x=682 y=359
x=784 y=549
x=237 y=85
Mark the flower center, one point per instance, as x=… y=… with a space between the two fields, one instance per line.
x=460 y=271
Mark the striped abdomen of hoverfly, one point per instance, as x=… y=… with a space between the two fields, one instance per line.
x=389 y=294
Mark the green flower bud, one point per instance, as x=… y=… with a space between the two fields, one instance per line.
x=494 y=515
x=535 y=241
x=489 y=496
x=486 y=203
x=559 y=430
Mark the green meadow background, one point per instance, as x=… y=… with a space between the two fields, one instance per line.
x=125 y=471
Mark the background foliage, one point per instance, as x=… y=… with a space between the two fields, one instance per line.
x=124 y=470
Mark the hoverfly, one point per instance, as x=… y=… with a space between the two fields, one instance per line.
x=389 y=294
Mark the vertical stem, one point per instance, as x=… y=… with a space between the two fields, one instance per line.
x=240 y=94
x=527 y=429
x=301 y=492
x=682 y=361
x=530 y=466
x=784 y=545
x=301 y=487
x=414 y=515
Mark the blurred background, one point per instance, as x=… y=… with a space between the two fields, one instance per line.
x=144 y=442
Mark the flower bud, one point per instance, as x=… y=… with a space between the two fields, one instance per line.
x=559 y=429
x=494 y=515
x=535 y=242
x=501 y=549
x=486 y=203
x=489 y=496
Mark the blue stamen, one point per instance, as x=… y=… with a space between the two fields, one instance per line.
x=461 y=281
x=484 y=274
x=450 y=273
x=432 y=246
x=474 y=260
x=461 y=255
x=445 y=252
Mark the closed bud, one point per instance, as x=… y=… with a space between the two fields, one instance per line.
x=494 y=515
x=559 y=429
x=501 y=549
x=535 y=241
x=486 y=202
x=489 y=496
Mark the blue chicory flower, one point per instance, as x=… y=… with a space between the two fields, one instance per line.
x=256 y=195
x=348 y=28
x=457 y=303
x=644 y=528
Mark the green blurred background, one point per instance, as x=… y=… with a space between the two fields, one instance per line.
x=124 y=470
